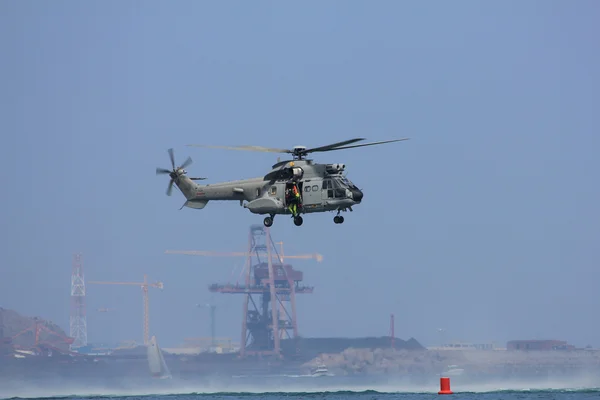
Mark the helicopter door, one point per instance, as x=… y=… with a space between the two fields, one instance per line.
x=311 y=192
x=288 y=187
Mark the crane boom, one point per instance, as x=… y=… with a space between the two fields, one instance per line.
x=141 y=284
x=315 y=256
x=144 y=285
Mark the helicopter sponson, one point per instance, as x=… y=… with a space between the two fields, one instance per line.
x=321 y=186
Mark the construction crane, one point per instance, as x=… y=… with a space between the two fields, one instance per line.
x=315 y=256
x=144 y=285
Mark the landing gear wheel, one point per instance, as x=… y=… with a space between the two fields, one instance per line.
x=338 y=219
x=268 y=221
x=298 y=220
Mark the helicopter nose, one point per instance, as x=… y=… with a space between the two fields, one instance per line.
x=357 y=195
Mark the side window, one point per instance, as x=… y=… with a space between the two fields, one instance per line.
x=307 y=188
x=315 y=188
x=327 y=184
x=273 y=191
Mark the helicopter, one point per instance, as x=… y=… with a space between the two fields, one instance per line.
x=321 y=187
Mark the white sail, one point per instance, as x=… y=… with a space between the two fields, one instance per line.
x=156 y=361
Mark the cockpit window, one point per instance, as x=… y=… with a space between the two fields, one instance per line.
x=341 y=181
x=337 y=183
x=345 y=182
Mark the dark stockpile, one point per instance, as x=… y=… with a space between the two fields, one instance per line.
x=311 y=347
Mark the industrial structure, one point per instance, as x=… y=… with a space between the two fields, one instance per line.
x=77 y=319
x=268 y=319
x=144 y=285
x=32 y=349
x=269 y=311
x=538 y=345
x=44 y=337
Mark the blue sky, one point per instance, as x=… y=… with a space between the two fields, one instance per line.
x=484 y=223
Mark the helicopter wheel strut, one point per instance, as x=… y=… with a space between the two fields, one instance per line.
x=338 y=219
x=268 y=221
x=298 y=220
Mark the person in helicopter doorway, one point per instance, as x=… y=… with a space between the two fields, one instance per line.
x=293 y=199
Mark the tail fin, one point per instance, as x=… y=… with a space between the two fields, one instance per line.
x=197 y=204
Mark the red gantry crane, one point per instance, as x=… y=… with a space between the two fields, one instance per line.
x=52 y=340
x=144 y=285
x=274 y=281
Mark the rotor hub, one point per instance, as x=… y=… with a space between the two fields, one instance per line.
x=298 y=152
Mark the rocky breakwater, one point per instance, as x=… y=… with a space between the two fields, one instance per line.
x=364 y=361
x=353 y=361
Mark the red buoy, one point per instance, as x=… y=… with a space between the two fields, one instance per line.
x=445 y=386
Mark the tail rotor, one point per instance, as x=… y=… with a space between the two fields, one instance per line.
x=175 y=172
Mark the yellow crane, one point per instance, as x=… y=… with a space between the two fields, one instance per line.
x=144 y=285
x=315 y=256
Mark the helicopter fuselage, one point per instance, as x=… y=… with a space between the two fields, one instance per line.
x=322 y=188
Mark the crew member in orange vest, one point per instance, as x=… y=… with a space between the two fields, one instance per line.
x=293 y=199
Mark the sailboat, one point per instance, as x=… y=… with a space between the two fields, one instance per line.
x=156 y=361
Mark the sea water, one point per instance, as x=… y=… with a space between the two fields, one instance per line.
x=580 y=394
x=297 y=388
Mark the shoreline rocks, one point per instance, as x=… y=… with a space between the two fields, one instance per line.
x=386 y=361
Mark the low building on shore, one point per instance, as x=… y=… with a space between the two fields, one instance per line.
x=538 y=345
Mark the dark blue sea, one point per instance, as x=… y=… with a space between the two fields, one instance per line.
x=561 y=394
x=306 y=389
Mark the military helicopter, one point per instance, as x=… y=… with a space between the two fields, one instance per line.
x=322 y=187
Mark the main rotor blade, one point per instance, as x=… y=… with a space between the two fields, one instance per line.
x=170 y=188
x=172 y=157
x=160 y=171
x=365 y=144
x=187 y=163
x=246 y=148
x=331 y=146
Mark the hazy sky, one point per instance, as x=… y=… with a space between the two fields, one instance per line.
x=485 y=223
